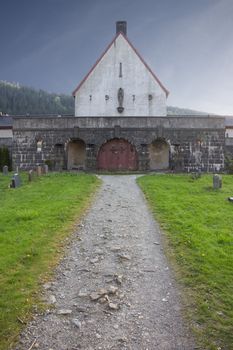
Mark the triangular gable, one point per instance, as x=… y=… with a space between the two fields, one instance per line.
x=140 y=57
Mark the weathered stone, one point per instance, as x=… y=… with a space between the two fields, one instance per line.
x=115 y=249
x=46 y=168
x=113 y=306
x=185 y=153
x=102 y=291
x=38 y=170
x=119 y=278
x=112 y=290
x=104 y=299
x=47 y=285
x=124 y=257
x=15 y=181
x=77 y=323
x=52 y=299
x=95 y=296
x=217 y=181
x=64 y=312
x=30 y=175
x=5 y=170
x=94 y=260
x=82 y=294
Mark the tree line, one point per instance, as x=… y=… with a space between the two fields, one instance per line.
x=17 y=100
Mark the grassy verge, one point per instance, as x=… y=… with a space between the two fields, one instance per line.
x=198 y=226
x=34 y=221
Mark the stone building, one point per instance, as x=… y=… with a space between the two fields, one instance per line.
x=120 y=123
x=229 y=137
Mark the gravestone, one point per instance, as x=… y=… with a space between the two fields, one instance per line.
x=46 y=168
x=217 y=181
x=30 y=175
x=38 y=170
x=196 y=175
x=5 y=170
x=15 y=181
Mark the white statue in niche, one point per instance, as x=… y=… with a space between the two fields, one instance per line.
x=120 y=96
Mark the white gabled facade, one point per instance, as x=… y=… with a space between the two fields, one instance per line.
x=120 y=67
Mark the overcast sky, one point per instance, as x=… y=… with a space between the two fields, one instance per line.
x=52 y=44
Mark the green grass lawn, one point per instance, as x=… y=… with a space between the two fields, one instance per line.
x=198 y=225
x=35 y=219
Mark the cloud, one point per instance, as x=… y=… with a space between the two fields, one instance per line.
x=196 y=58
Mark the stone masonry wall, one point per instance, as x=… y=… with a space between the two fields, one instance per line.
x=229 y=147
x=195 y=142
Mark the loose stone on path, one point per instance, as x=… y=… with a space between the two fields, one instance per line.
x=114 y=289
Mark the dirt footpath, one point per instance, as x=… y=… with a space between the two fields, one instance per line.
x=114 y=289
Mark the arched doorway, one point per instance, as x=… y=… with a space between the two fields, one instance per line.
x=76 y=155
x=159 y=155
x=117 y=154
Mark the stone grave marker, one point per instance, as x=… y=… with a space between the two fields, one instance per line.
x=38 y=170
x=30 y=175
x=15 y=181
x=5 y=170
x=46 y=168
x=217 y=181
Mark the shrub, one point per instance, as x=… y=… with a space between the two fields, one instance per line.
x=5 y=158
x=229 y=164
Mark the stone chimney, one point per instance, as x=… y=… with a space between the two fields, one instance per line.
x=121 y=27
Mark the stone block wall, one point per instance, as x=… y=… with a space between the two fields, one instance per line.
x=194 y=142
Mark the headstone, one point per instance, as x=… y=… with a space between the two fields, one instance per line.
x=46 y=168
x=15 y=181
x=30 y=175
x=217 y=181
x=5 y=170
x=39 y=170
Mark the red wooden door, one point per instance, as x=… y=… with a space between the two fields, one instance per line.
x=117 y=154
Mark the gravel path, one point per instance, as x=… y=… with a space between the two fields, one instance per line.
x=114 y=289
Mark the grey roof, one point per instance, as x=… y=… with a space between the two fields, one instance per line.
x=6 y=121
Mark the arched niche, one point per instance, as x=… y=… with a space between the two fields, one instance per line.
x=76 y=155
x=159 y=155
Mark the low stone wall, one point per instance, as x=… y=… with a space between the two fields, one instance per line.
x=195 y=142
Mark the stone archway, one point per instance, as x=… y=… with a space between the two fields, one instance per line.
x=117 y=154
x=76 y=153
x=159 y=155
